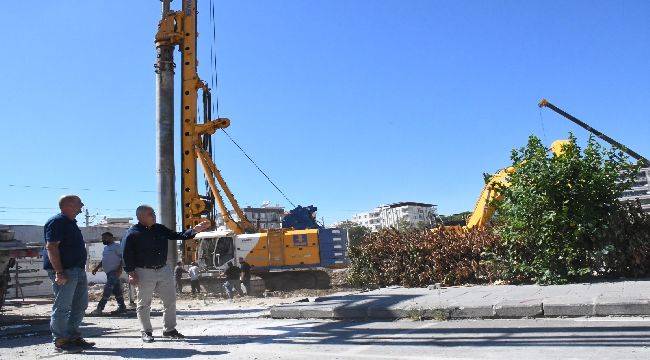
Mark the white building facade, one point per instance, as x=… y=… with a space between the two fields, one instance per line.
x=398 y=214
x=263 y=218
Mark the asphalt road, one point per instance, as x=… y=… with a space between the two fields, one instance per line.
x=244 y=333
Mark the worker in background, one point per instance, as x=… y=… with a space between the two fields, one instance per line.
x=194 y=278
x=178 y=274
x=245 y=276
x=112 y=265
x=145 y=260
x=232 y=280
x=64 y=258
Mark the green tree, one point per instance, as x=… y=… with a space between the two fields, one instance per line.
x=455 y=219
x=356 y=232
x=403 y=225
x=560 y=219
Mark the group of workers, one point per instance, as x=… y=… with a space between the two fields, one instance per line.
x=142 y=255
x=237 y=279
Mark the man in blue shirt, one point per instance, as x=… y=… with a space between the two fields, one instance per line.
x=64 y=259
x=145 y=260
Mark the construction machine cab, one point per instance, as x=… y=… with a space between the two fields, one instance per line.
x=215 y=248
x=224 y=251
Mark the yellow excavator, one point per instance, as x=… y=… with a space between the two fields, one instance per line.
x=484 y=208
x=299 y=251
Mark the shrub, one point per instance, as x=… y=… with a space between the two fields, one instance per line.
x=422 y=257
x=356 y=232
x=560 y=219
x=626 y=243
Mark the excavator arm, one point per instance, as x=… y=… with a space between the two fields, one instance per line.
x=641 y=159
x=484 y=208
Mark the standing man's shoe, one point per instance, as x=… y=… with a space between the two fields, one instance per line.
x=174 y=334
x=82 y=343
x=65 y=346
x=120 y=310
x=147 y=337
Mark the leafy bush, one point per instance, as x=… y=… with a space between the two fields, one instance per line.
x=459 y=219
x=626 y=246
x=560 y=219
x=422 y=257
x=356 y=232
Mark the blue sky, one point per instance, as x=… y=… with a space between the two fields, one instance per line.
x=346 y=104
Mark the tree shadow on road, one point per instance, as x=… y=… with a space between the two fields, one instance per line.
x=438 y=335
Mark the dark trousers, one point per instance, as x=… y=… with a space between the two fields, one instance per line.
x=246 y=286
x=233 y=285
x=179 y=285
x=196 y=287
x=113 y=287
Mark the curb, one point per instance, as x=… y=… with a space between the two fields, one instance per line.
x=499 y=311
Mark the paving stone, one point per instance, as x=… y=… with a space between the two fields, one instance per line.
x=517 y=309
x=622 y=308
x=567 y=309
x=477 y=311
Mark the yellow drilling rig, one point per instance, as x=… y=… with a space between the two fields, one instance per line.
x=299 y=251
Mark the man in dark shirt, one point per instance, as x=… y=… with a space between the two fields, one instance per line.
x=64 y=258
x=145 y=260
x=232 y=280
x=245 y=276
x=178 y=274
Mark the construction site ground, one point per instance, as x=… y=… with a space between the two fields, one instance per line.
x=243 y=329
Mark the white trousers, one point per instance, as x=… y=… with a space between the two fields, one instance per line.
x=162 y=282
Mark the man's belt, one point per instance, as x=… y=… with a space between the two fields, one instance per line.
x=154 y=267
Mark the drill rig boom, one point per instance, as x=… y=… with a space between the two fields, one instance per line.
x=178 y=28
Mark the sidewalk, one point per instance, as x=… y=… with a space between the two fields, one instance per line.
x=491 y=301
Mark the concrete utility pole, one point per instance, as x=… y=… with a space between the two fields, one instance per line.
x=165 y=138
x=87 y=218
